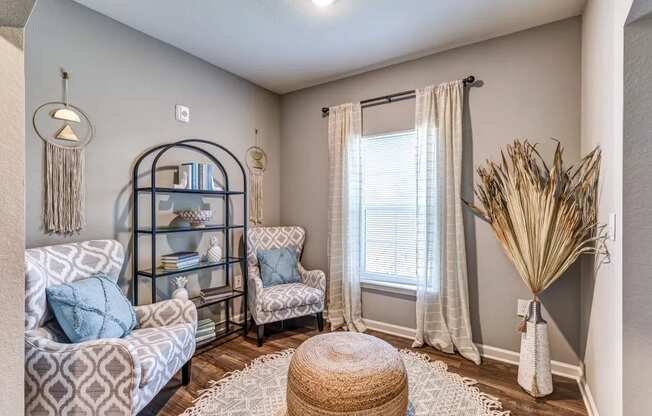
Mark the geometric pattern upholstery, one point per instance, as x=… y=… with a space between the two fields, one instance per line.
x=114 y=376
x=285 y=301
x=289 y=295
x=65 y=263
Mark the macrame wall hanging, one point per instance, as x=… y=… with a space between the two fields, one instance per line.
x=66 y=130
x=257 y=164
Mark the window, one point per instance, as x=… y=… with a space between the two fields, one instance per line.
x=388 y=229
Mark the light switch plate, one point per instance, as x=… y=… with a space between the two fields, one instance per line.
x=521 y=309
x=182 y=113
x=612 y=226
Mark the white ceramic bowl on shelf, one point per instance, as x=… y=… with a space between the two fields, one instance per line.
x=196 y=217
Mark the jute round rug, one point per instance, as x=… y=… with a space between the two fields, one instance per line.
x=259 y=390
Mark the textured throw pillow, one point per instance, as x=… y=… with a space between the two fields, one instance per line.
x=91 y=308
x=278 y=266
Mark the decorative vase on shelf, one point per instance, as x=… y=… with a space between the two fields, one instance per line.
x=214 y=253
x=534 y=373
x=180 y=292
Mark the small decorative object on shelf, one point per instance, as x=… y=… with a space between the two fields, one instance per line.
x=196 y=217
x=216 y=186
x=214 y=252
x=183 y=181
x=185 y=263
x=180 y=292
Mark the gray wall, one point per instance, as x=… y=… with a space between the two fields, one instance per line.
x=128 y=83
x=531 y=90
x=637 y=210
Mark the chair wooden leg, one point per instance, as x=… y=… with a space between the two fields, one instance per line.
x=260 y=333
x=320 y=321
x=186 y=372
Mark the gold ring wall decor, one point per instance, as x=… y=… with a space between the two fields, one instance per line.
x=256 y=160
x=58 y=124
x=40 y=132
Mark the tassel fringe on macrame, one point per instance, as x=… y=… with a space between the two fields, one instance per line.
x=256 y=199
x=64 y=189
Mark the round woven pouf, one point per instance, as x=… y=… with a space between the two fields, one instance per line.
x=346 y=373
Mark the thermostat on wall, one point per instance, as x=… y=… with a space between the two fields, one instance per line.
x=182 y=113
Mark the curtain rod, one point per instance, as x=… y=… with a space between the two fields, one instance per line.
x=392 y=98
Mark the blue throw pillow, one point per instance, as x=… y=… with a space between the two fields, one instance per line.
x=91 y=308
x=278 y=266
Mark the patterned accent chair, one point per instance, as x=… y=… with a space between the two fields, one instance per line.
x=115 y=376
x=281 y=302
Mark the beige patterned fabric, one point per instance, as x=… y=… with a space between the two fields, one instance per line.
x=344 y=199
x=101 y=377
x=280 y=302
x=442 y=292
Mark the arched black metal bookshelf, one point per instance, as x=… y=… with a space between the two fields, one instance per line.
x=229 y=258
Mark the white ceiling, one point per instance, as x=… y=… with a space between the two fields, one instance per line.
x=285 y=45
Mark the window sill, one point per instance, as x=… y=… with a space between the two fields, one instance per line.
x=398 y=288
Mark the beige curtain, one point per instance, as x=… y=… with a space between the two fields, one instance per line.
x=344 y=296
x=442 y=293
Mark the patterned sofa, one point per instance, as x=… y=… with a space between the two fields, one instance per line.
x=107 y=376
x=281 y=302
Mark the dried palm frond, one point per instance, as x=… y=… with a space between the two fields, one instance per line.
x=544 y=217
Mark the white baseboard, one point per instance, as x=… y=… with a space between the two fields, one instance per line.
x=591 y=407
x=390 y=329
x=486 y=351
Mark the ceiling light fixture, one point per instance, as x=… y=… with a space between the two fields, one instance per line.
x=323 y=3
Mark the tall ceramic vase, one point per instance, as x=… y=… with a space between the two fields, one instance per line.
x=534 y=373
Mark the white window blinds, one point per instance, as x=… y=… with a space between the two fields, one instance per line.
x=388 y=240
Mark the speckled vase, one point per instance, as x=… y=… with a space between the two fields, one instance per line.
x=534 y=373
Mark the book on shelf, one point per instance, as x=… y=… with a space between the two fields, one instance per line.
x=199 y=175
x=205 y=337
x=179 y=266
x=180 y=255
x=206 y=331
x=210 y=178
x=186 y=168
x=216 y=293
x=204 y=323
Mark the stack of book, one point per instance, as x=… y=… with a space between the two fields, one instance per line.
x=205 y=330
x=180 y=260
x=199 y=176
x=215 y=293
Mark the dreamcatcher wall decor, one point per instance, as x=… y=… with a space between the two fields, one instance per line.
x=66 y=130
x=257 y=164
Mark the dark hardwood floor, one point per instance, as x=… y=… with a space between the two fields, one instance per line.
x=495 y=378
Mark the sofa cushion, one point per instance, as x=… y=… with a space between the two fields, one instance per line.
x=91 y=308
x=289 y=295
x=161 y=349
x=278 y=266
